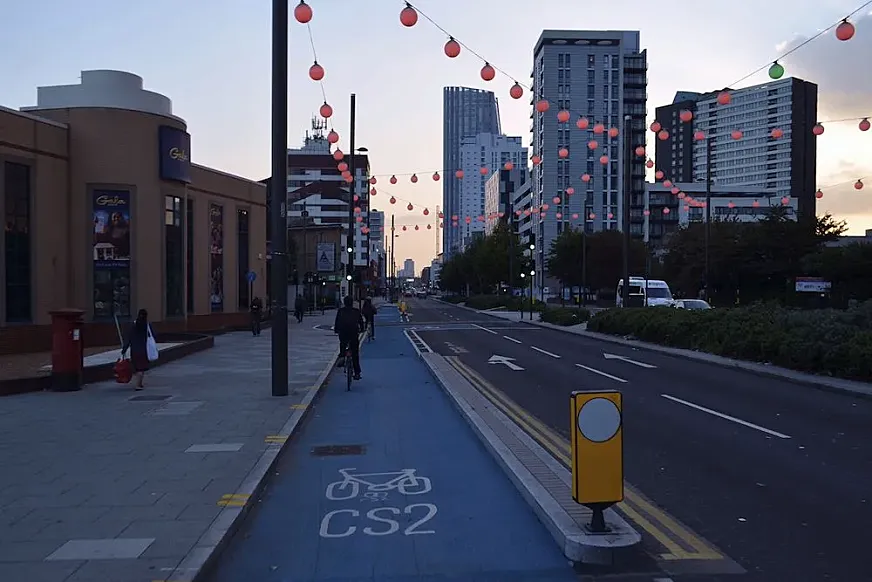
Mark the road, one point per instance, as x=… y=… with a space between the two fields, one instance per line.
x=723 y=467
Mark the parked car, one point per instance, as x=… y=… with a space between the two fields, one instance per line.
x=692 y=304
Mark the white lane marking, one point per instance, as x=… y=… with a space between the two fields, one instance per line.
x=725 y=416
x=485 y=329
x=601 y=373
x=511 y=339
x=628 y=360
x=541 y=351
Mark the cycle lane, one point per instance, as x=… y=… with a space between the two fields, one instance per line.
x=388 y=482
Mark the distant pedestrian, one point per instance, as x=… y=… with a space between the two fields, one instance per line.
x=368 y=310
x=256 y=309
x=137 y=342
x=299 y=305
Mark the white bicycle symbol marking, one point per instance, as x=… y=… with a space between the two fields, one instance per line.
x=405 y=482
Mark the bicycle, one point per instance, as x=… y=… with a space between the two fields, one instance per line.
x=370 y=332
x=405 y=482
x=349 y=369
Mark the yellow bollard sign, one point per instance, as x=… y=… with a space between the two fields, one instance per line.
x=597 y=449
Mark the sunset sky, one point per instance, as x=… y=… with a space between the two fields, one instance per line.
x=213 y=60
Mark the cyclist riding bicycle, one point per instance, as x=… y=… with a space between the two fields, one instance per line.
x=349 y=323
x=368 y=312
x=403 y=309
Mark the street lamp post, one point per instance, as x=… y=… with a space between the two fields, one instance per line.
x=625 y=211
x=708 y=210
x=532 y=276
x=349 y=267
x=278 y=199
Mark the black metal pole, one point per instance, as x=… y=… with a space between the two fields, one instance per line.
x=306 y=287
x=393 y=272
x=584 y=264
x=708 y=210
x=279 y=196
x=350 y=238
x=532 y=276
x=625 y=211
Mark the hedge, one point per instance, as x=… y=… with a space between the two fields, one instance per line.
x=565 y=315
x=826 y=341
x=482 y=302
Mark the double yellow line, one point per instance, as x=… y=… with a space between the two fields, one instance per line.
x=678 y=541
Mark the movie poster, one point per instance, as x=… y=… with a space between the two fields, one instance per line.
x=216 y=253
x=111 y=253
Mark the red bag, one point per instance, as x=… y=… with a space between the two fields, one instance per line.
x=123 y=371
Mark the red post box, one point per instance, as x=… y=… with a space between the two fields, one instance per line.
x=67 y=349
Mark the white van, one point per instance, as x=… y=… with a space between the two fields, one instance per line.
x=658 y=293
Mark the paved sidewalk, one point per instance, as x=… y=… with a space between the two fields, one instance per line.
x=388 y=483
x=112 y=485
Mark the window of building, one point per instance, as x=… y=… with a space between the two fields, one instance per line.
x=17 y=186
x=174 y=257
x=242 y=258
x=216 y=258
x=189 y=252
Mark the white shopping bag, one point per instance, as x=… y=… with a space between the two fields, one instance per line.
x=151 y=346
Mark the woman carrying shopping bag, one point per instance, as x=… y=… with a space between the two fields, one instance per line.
x=142 y=345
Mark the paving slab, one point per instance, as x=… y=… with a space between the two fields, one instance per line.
x=103 y=484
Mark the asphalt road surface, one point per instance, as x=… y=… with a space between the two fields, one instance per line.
x=730 y=475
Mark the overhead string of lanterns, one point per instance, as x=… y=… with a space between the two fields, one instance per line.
x=844 y=31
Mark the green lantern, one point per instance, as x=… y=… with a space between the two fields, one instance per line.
x=776 y=71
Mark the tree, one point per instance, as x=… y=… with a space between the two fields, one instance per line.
x=485 y=263
x=565 y=258
x=847 y=268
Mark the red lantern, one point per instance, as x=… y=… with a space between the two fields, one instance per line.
x=563 y=116
x=819 y=194
x=818 y=129
x=604 y=160
x=426 y=211
x=599 y=128
x=517 y=213
x=373 y=192
x=303 y=12
x=416 y=227
x=542 y=106
x=662 y=135
x=452 y=48
x=756 y=204
x=348 y=178
x=646 y=212
x=393 y=200
x=785 y=201
x=545 y=207
x=559 y=215
x=570 y=191
x=686 y=207
x=359 y=219
x=658 y=174
x=611 y=216
x=346 y=174
x=356 y=197
x=591 y=215
x=325 y=111
x=342 y=167
x=458 y=174
x=582 y=123
x=640 y=151
x=556 y=200
x=724 y=98
x=592 y=144
x=649 y=164
x=408 y=17
x=414 y=179
x=613 y=132
x=441 y=215
x=454 y=217
x=410 y=207
x=536 y=160
x=858 y=185
x=357 y=209
x=338 y=155
x=655 y=126
x=316 y=72
x=864 y=124
x=393 y=180
x=845 y=30
x=667 y=183
x=585 y=177
x=666 y=210
x=429 y=226
x=373 y=180
x=685 y=115
x=516 y=92
x=487 y=72
x=675 y=190
x=777 y=133
x=483 y=170
x=574 y=216
x=698 y=135
x=404 y=228
x=736 y=134
x=332 y=137
x=508 y=166
x=730 y=204
x=681 y=194
x=435 y=176
x=563 y=153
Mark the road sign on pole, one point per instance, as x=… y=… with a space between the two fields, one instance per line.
x=597 y=452
x=251 y=276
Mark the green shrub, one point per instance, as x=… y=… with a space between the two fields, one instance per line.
x=455 y=299
x=565 y=315
x=482 y=302
x=826 y=341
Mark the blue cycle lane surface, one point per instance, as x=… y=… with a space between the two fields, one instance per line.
x=407 y=492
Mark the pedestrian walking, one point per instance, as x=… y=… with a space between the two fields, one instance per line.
x=299 y=305
x=142 y=345
x=256 y=309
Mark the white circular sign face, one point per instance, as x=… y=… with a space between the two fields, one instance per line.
x=599 y=420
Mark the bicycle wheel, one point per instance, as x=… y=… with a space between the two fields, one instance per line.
x=349 y=370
